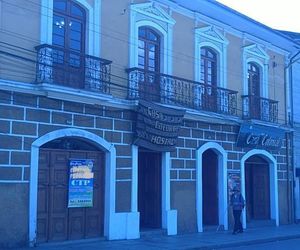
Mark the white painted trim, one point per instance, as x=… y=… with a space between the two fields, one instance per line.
x=134 y=182
x=154 y=11
x=262 y=60
x=274 y=208
x=93 y=28
x=169 y=217
x=210 y=37
x=110 y=177
x=165 y=33
x=222 y=185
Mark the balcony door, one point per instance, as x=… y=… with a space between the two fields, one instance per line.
x=68 y=41
x=149 y=62
x=209 y=79
x=254 y=90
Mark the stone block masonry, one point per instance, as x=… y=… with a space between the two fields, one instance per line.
x=24 y=118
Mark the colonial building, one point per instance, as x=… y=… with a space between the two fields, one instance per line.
x=120 y=116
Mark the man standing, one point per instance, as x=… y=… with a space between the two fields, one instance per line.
x=237 y=202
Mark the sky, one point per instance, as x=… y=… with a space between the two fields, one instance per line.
x=277 y=14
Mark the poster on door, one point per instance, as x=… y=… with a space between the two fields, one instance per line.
x=234 y=181
x=81 y=183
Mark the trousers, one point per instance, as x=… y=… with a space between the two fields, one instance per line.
x=237 y=221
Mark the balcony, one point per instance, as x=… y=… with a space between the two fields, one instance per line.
x=67 y=68
x=260 y=108
x=177 y=91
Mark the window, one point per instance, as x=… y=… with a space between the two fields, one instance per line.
x=68 y=38
x=254 y=90
x=149 y=61
x=149 y=50
x=208 y=66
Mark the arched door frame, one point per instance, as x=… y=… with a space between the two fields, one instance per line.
x=273 y=182
x=110 y=176
x=222 y=185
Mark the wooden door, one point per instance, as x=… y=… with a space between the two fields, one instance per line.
x=209 y=79
x=261 y=194
x=257 y=191
x=149 y=190
x=57 y=222
x=68 y=39
x=210 y=188
x=149 y=61
x=254 y=90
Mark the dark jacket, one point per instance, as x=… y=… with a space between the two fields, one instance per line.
x=237 y=201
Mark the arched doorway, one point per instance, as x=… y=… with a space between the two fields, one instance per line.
x=110 y=222
x=211 y=159
x=56 y=219
x=210 y=185
x=257 y=183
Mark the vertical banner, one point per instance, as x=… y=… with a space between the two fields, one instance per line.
x=81 y=182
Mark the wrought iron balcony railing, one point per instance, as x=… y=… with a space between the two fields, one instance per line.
x=68 y=68
x=173 y=90
x=260 y=108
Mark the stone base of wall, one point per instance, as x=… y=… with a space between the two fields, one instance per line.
x=13 y=215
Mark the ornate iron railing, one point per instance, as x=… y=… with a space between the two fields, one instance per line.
x=169 y=89
x=68 y=68
x=260 y=108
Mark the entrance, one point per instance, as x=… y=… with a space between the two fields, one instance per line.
x=257 y=189
x=55 y=221
x=210 y=187
x=149 y=189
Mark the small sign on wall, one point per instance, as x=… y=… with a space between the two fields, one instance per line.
x=81 y=183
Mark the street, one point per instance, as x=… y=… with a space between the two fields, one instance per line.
x=292 y=244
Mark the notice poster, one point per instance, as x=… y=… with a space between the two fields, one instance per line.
x=234 y=180
x=81 y=182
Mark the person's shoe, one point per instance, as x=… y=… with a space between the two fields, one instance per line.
x=234 y=232
x=240 y=231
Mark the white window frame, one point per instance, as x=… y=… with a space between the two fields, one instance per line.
x=255 y=54
x=93 y=39
x=210 y=37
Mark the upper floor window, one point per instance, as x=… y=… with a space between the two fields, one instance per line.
x=253 y=80
x=68 y=25
x=68 y=37
x=149 y=49
x=208 y=66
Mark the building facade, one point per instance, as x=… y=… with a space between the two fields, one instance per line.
x=167 y=105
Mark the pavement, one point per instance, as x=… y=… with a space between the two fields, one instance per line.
x=206 y=240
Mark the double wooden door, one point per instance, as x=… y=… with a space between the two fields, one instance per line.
x=55 y=221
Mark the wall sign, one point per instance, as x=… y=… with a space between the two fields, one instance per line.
x=81 y=182
x=157 y=127
x=257 y=136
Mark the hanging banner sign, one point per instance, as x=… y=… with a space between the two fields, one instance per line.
x=157 y=127
x=257 y=136
x=81 y=183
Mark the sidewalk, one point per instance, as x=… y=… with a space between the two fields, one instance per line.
x=206 y=240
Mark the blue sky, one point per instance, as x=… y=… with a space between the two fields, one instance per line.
x=278 y=14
